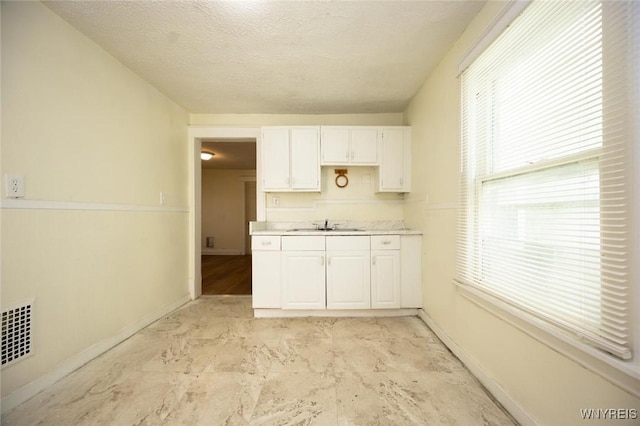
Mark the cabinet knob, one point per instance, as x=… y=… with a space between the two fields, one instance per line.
x=266 y=243
x=386 y=242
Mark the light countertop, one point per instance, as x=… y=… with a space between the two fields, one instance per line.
x=348 y=228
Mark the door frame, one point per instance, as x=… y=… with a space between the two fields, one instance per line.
x=247 y=241
x=195 y=136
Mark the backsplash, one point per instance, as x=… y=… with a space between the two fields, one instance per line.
x=358 y=201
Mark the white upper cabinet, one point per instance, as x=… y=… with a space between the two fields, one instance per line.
x=292 y=155
x=394 y=174
x=291 y=158
x=275 y=158
x=344 y=145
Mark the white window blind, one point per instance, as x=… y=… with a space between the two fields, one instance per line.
x=547 y=145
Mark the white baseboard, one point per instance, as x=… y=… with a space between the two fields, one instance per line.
x=222 y=252
x=487 y=381
x=301 y=313
x=31 y=389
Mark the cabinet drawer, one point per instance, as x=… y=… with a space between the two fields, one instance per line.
x=347 y=242
x=265 y=242
x=385 y=242
x=303 y=242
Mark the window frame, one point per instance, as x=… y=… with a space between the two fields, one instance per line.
x=624 y=373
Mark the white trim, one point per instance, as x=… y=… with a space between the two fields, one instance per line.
x=441 y=206
x=226 y=296
x=29 y=390
x=584 y=156
x=503 y=19
x=297 y=313
x=414 y=198
x=487 y=381
x=615 y=371
x=13 y=203
x=223 y=252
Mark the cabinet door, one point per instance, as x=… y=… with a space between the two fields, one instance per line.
x=395 y=159
x=391 y=164
x=335 y=145
x=303 y=280
x=265 y=279
x=348 y=280
x=305 y=159
x=275 y=158
x=364 y=146
x=385 y=279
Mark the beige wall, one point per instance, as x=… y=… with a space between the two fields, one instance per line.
x=90 y=241
x=550 y=387
x=223 y=210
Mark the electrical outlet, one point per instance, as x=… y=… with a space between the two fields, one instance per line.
x=163 y=199
x=14 y=186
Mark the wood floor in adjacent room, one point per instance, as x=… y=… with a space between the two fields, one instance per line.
x=226 y=275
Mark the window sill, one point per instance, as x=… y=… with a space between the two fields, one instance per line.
x=624 y=374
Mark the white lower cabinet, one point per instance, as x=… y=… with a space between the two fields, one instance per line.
x=303 y=273
x=348 y=272
x=411 y=271
x=337 y=272
x=385 y=272
x=265 y=273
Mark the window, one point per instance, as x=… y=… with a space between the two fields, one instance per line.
x=548 y=156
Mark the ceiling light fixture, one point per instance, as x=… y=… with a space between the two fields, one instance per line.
x=206 y=155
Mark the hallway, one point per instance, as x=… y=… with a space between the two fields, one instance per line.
x=226 y=275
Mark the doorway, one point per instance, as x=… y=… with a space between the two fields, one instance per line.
x=228 y=203
x=196 y=135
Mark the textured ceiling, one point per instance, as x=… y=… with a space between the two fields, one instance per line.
x=306 y=57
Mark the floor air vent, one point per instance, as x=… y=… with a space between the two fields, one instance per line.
x=16 y=332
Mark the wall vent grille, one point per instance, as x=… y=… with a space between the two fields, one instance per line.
x=16 y=332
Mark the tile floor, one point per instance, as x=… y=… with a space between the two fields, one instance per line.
x=212 y=363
